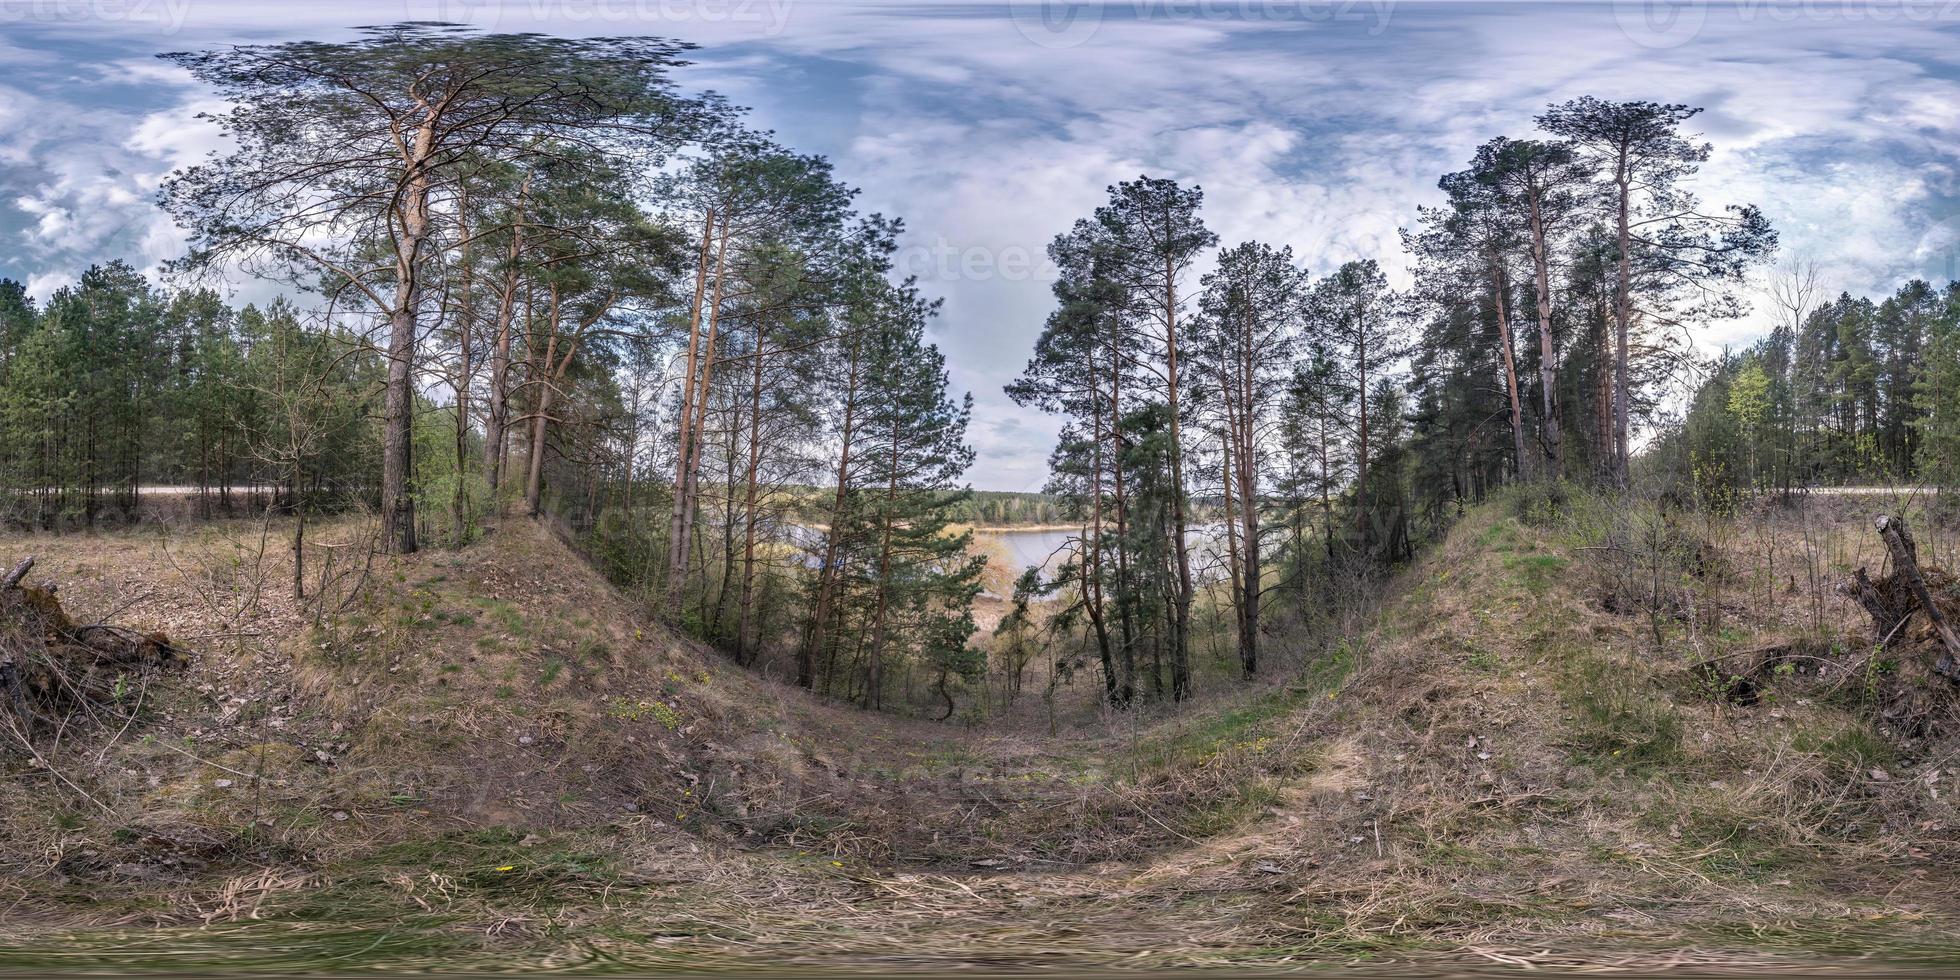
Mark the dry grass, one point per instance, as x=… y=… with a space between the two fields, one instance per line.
x=1495 y=770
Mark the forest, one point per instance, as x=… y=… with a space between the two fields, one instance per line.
x=532 y=275
x=533 y=525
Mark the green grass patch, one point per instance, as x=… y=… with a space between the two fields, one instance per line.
x=1537 y=573
x=1237 y=727
x=1851 y=749
x=1499 y=536
x=1617 y=721
x=503 y=614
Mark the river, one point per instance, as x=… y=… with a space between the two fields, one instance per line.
x=1047 y=547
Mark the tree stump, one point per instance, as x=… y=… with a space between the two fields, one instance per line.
x=1905 y=559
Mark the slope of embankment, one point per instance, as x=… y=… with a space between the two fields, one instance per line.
x=492 y=761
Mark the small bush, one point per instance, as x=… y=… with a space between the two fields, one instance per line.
x=1543 y=504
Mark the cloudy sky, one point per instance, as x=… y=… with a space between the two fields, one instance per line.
x=991 y=126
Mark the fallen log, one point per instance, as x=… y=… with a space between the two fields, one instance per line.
x=1905 y=560
x=20 y=572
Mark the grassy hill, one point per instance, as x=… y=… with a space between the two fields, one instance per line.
x=491 y=761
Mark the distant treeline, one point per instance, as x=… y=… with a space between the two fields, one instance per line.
x=1842 y=391
x=114 y=385
x=994 y=507
x=990 y=508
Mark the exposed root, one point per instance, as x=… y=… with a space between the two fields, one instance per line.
x=54 y=671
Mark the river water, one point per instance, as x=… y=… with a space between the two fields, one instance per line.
x=1047 y=547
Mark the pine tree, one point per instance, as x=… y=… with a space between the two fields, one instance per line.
x=1937 y=398
x=1149 y=235
x=1542 y=185
x=923 y=577
x=1314 y=422
x=1667 y=252
x=1469 y=246
x=1356 y=324
x=348 y=151
x=1241 y=350
x=1080 y=361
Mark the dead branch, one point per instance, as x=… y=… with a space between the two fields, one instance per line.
x=1905 y=557
x=12 y=581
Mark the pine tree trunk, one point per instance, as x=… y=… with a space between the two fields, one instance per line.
x=1603 y=391
x=1181 y=625
x=1622 y=317
x=1326 y=497
x=1093 y=575
x=1125 y=589
x=496 y=415
x=398 y=404
x=544 y=383
x=299 y=538
x=676 y=546
x=1228 y=492
x=1510 y=368
x=875 y=681
x=728 y=456
x=747 y=600
x=1547 y=350
x=1248 y=476
x=458 y=501
x=813 y=630
x=691 y=459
